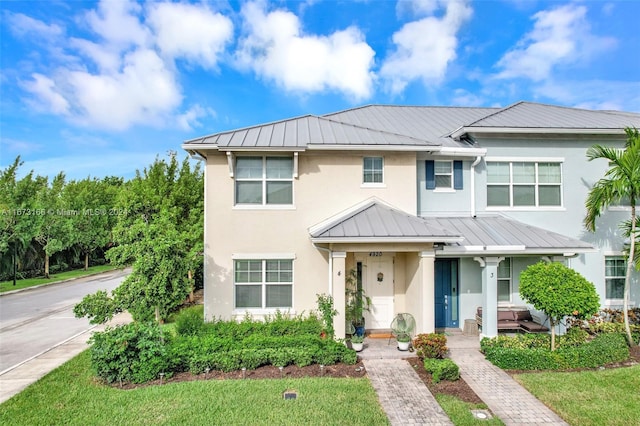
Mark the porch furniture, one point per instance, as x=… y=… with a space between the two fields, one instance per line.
x=515 y=320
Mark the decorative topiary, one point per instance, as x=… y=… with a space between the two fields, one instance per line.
x=559 y=291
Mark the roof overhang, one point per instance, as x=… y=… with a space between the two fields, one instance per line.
x=511 y=250
x=388 y=240
x=396 y=148
x=456 y=134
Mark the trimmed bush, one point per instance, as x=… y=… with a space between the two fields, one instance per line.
x=442 y=369
x=134 y=352
x=190 y=321
x=604 y=349
x=432 y=345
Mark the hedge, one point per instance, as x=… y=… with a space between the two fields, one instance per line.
x=509 y=354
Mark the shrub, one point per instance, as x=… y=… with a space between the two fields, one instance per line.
x=134 y=352
x=432 y=345
x=604 y=349
x=190 y=321
x=442 y=369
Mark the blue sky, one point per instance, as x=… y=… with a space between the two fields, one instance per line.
x=101 y=88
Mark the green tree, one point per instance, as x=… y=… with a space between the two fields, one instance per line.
x=161 y=236
x=620 y=183
x=93 y=201
x=559 y=291
x=19 y=216
x=55 y=227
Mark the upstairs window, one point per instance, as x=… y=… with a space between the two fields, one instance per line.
x=615 y=275
x=524 y=184
x=373 y=170
x=264 y=180
x=443 y=174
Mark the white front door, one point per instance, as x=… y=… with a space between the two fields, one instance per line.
x=377 y=279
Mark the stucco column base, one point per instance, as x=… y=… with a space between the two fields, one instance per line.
x=338 y=275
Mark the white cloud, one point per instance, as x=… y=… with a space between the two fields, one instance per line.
x=200 y=35
x=45 y=90
x=276 y=48
x=22 y=25
x=118 y=23
x=191 y=118
x=424 y=48
x=143 y=92
x=124 y=74
x=559 y=36
x=593 y=94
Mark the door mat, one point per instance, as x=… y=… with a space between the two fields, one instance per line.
x=380 y=335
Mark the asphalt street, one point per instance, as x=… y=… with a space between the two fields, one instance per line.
x=34 y=320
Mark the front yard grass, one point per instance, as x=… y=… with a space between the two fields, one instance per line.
x=460 y=412
x=610 y=397
x=71 y=395
x=31 y=282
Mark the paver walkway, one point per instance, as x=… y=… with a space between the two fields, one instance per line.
x=403 y=396
x=509 y=401
x=406 y=400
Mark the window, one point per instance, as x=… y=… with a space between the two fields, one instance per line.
x=266 y=283
x=372 y=170
x=524 y=184
x=504 y=280
x=264 y=180
x=443 y=174
x=614 y=276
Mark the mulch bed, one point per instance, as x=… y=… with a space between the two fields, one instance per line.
x=460 y=389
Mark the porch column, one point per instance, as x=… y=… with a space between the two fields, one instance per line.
x=339 y=272
x=426 y=321
x=489 y=295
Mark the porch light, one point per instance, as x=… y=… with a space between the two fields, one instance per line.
x=380 y=277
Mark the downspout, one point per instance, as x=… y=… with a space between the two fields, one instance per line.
x=473 y=185
x=329 y=252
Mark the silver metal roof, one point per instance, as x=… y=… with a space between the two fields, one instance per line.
x=305 y=132
x=431 y=123
x=414 y=127
x=501 y=234
x=534 y=115
x=375 y=221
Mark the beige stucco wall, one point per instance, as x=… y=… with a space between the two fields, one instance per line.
x=328 y=183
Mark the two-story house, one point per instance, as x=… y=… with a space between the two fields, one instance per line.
x=436 y=209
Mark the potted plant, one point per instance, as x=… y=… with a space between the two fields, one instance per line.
x=404 y=339
x=356 y=302
x=357 y=342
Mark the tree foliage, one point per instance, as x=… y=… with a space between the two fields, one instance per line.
x=559 y=291
x=620 y=183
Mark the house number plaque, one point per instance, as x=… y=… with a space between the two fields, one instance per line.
x=375 y=254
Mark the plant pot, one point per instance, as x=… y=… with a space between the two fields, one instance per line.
x=403 y=346
x=357 y=346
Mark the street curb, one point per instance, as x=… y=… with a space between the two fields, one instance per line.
x=20 y=290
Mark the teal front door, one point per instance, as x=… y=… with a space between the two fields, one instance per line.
x=446 y=293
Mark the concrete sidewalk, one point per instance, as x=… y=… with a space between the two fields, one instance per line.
x=15 y=379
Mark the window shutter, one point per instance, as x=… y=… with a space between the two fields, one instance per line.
x=431 y=174
x=457 y=174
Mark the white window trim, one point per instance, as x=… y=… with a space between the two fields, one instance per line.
x=607 y=300
x=270 y=256
x=373 y=184
x=510 y=301
x=536 y=184
x=435 y=177
x=263 y=180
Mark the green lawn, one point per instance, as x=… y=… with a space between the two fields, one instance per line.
x=460 y=412
x=598 y=398
x=30 y=282
x=69 y=395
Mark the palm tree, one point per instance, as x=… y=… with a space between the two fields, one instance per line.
x=621 y=182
